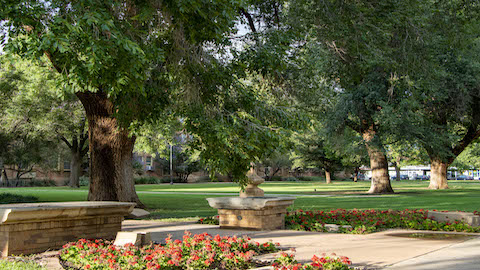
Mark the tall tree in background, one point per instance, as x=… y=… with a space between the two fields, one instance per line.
x=449 y=93
x=405 y=153
x=469 y=159
x=370 y=50
x=314 y=151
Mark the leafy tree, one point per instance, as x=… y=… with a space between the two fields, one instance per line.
x=274 y=162
x=183 y=163
x=315 y=150
x=368 y=48
x=469 y=158
x=453 y=114
x=24 y=144
x=125 y=59
x=352 y=150
x=404 y=153
x=36 y=108
x=448 y=91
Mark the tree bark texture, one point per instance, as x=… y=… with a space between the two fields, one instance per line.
x=111 y=152
x=397 y=172
x=328 y=177
x=75 y=169
x=378 y=164
x=438 y=174
x=355 y=174
x=3 y=175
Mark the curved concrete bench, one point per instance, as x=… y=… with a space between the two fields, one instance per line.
x=36 y=227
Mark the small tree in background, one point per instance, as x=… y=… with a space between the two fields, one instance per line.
x=36 y=108
x=275 y=162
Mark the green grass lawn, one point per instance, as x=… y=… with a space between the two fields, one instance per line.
x=462 y=195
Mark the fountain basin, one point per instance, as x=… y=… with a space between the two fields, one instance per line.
x=251 y=213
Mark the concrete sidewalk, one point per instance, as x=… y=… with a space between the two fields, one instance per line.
x=373 y=251
x=460 y=256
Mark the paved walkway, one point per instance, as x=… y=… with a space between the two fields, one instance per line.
x=372 y=251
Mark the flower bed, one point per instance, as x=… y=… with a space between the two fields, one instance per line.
x=366 y=221
x=209 y=220
x=287 y=262
x=200 y=251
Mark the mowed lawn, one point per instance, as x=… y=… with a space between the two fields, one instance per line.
x=188 y=200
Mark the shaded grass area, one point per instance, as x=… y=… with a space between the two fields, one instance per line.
x=16 y=198
x=462 y=196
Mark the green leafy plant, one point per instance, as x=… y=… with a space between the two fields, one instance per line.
x=333 y=262
x=367 y=221
x=21 y=264
x=209 y=220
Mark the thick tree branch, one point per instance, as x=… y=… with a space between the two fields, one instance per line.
x=65 y=141
x=249 y=19
x=472 y=134
x=473 y=131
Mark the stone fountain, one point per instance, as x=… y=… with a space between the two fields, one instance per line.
x=252 y=210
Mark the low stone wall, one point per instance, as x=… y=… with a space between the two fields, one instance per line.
x=466 y=217
x=37 y=227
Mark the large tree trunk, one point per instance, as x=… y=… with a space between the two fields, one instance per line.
x=328 y=176
x=355 y=174
x=75 y=169
x=438 y=174
x=111 y=152
x=378 y=164
x=1 y=172
x=397 y=172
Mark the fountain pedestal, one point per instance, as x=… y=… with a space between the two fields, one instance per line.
x=251 y=210
x=252 y=213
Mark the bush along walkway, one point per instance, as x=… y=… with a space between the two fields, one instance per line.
x=367 y=221
x=200 y=251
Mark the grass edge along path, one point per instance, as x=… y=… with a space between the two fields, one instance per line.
x=462 y=196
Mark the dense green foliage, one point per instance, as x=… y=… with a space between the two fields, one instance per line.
x=38 y=122
x=20 y=265
x=16 y=198
x=393 y=79
x=287 y=262
x=367 y=221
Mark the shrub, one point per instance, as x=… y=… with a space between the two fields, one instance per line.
x=28 y=183
x=204 y=178
x=200 y=251
x=366 y=221
x=151 y=180
x=287 y=262
x=20 y=265
x=209 y=220
x=147 y=180
x=84 y=181
x=15 y=198
x=311 y=178
x=276 y=178
x=292 y=179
